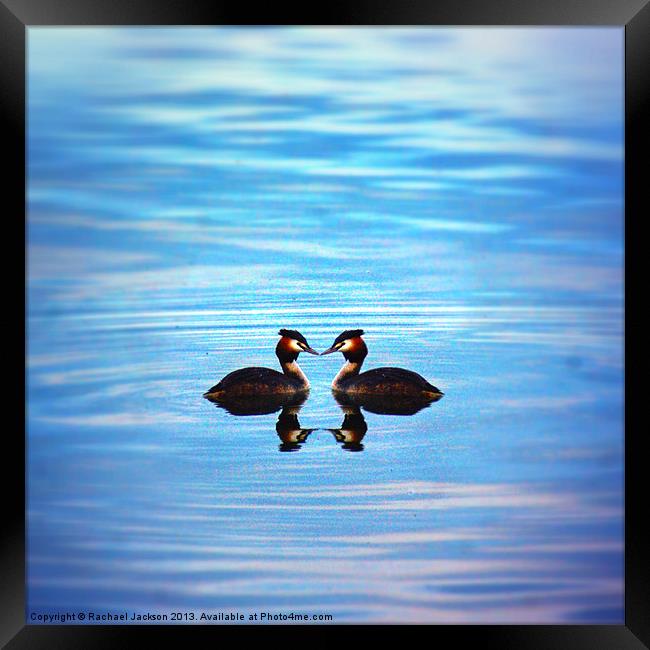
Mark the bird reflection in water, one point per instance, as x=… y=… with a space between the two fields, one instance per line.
x=354 y=427
x=386 y=404
x=291 y=434
x=288 y=428
x=352 y=430
x=259 y=404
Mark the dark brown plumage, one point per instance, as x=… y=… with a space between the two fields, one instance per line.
x=348 y=334
x=293 y=334
x=254 y=380
x=389 y=381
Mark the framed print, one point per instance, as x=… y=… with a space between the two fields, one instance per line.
x=325 y=321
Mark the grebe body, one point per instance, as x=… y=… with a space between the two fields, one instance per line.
x=388 y=382
x=387 y=404
x=255 y=382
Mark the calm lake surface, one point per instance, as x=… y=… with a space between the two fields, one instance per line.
x=456 y=193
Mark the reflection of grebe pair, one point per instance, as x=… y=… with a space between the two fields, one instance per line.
x=293 y=436
x=352 y=429
x=379 y=382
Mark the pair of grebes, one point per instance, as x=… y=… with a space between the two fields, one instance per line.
x=350 y=382
x=258 y=391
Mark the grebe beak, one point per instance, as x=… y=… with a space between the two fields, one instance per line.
x=310 y=350
x=329 y=351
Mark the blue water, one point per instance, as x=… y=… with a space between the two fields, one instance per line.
x=456 y=193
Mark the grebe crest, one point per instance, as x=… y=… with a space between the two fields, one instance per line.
x=351 y=345
x=291 y=345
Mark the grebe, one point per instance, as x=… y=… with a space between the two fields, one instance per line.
x=378 y=381
x=256 y=382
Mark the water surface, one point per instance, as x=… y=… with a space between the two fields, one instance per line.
x=456 y=193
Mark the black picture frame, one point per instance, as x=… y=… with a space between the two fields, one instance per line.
x=18 y=15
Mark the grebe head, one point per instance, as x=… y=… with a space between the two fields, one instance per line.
x=350 y=344
x=291 y=345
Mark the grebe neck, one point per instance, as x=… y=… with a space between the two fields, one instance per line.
x=291 y=369
x=351 y=368
x=288 y=359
